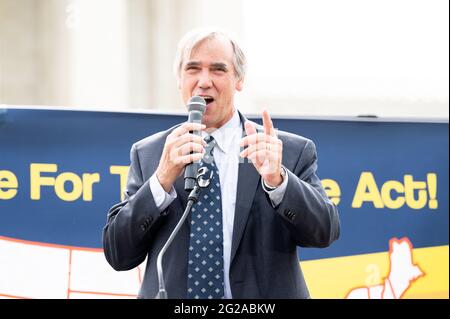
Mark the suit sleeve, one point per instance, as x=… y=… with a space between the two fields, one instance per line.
x=311 y=217
x=131 y=223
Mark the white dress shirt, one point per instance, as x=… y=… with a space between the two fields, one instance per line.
x=226 y=157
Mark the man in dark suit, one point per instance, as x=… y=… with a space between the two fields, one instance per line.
x=241 y=238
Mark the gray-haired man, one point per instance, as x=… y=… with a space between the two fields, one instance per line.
x=241 y=240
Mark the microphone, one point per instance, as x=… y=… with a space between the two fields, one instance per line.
x=194 y=181
x=196 y=107
x=202 y=181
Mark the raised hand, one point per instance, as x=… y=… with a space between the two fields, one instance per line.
x=264 y=150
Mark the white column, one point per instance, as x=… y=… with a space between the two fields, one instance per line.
x=99 y=68
x=18 y=52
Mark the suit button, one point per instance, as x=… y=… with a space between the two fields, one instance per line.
x=143 y=227
x=289 y=214
x=164 y=213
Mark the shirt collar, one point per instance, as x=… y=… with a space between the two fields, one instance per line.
x=224 y=135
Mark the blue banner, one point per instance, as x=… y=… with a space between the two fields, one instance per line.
x=60 y=172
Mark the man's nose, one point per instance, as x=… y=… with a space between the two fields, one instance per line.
x=205 y=80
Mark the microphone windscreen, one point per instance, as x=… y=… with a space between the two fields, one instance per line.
x=197 y=103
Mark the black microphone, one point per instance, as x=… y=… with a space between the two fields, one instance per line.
x=196 y=107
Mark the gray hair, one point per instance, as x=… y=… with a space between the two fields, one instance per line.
x=193 y=38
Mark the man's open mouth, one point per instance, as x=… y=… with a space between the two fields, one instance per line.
x=208 y=99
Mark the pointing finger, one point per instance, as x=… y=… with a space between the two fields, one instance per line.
x=268 y=125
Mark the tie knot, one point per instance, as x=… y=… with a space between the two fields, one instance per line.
x=211 y=143
x=209 y=138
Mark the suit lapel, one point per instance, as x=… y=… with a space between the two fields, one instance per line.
x=248 y=179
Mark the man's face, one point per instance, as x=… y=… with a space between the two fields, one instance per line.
x=209 y=73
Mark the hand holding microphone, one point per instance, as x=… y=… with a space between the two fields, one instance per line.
x=183 y=147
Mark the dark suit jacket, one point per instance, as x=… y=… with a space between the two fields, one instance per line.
x=264 y=261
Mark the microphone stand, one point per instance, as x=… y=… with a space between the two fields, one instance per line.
x=192 y=199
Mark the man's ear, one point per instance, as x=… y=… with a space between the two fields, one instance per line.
x=240 y=85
